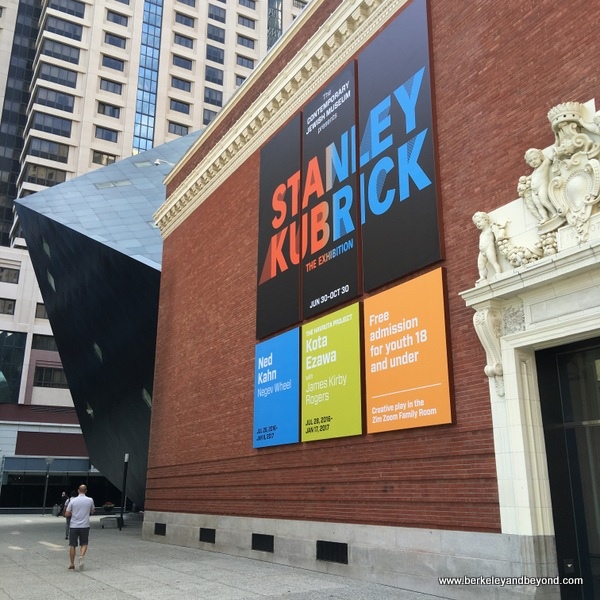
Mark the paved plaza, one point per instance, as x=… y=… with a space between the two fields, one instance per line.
x=120 y=565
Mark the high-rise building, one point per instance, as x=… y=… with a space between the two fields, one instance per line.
x=84 y=83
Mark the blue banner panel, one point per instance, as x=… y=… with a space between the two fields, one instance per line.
x=276 y=390
x=400 y=231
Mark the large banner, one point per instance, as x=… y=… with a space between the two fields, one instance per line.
x=406 y=356
x=397 y=168
x=331 y=376
x=329 y=200
x=278 y=294
x=276 y=390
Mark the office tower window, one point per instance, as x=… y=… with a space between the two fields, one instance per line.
x=51 y=124
x=123 y=2
x=178 y=129
x=184 y=20
x=70 y=7
x=64 y=28
x=7 y=306
x=182 y=107
x=49 y=377
x=48 y=149
x=102 y=158
x=55 y=99
x=274 y=22
x=40 y=311
x=215 y=54
x=43 y=342
x=117 y=18
x=301 y=4
x=115 y=40
x=58 y=75
x=188 y=2
x=217 y=13
x=12 y=355
x=239 y=79
x=242 y=40
x=180 y=61
x=60 y=51
x=103 y=133
x=246 y=22
x=208 y=115
x=8 y=275
x=111 y=86
x=41 y=175
x=113 y=63
x=248 y=4
x=213 y=75
x=215 y=33
x=183 y=40
x=244 y=61
x=181 y=84
x=109 y=110
x=213 y=96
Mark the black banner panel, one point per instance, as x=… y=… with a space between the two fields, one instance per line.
x=329 y=197
x=279 y=235
x=399 y=212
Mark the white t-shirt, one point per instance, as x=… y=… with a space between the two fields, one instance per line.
x=80 y=508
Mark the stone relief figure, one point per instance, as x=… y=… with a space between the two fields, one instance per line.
x=539 y=180
x=487 y=245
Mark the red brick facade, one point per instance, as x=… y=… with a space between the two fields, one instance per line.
x=497 y=69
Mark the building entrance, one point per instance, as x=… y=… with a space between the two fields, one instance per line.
x=569 y=383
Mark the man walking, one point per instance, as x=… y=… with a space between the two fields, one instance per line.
x=79 y=509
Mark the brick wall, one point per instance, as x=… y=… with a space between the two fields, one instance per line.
x=498 y=68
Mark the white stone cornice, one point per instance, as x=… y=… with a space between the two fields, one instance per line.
x=352 y=24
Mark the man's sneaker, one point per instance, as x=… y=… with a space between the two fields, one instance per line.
x=81 y=563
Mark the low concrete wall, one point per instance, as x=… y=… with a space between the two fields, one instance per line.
x=405 y=558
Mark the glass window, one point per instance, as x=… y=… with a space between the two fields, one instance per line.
x=239 y=79
x=183 y=40
x=182 y=107
x=70 y=7
x=48 y=149
x=7 y=306
x=42 y=175
x=111 y=86
x=178 y=129
x=113 y=63
x=217 y=13
x=8 y=275
x=181 y=84
x=180 y=61
x=188 y=2
x=123 y=2
x=43 y=342
x=103 y=133
x=55 y=99
x=12 y=354
x=102 y=158
x=64 y=28
x=208 y=115
x=213 y=96
x=61 y=51
x=246 y=22
x=51 y=124
x=109 y=110
x=184 y=19
x=114 y=40
x=244 y=61
x=215 y=54
x=213 y=75
x=58 y=75
x=40 y=311
x=215 y=33
x=117 y=18
x=49 y=377
x=242 y=40
x=248 y=3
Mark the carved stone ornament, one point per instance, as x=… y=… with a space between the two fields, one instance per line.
x=562 y=190
x=488 y=326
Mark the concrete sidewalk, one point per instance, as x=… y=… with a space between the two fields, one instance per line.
x=121 y=566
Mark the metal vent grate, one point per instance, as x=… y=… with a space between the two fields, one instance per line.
x=263 y=542
x=160 y=529
x=332 y=552
x=208 y=535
